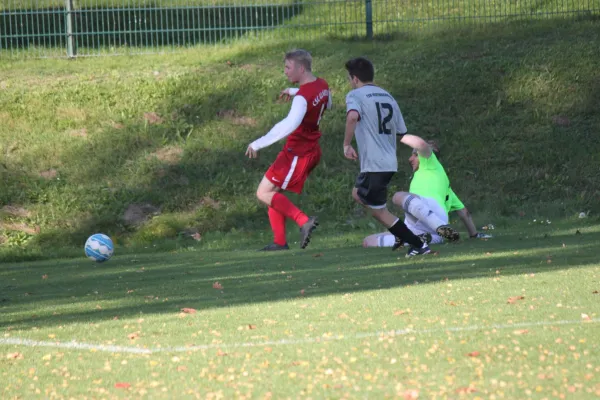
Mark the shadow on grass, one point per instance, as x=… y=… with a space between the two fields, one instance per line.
x=165 y=283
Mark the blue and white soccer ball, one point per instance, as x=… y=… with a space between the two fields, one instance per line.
x=99 y=248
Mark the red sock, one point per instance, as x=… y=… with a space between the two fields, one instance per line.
x=277 y=221
x=286 y=207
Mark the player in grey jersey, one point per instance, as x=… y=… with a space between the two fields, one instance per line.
x=374 y=117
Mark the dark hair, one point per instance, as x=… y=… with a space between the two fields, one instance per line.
x=361 y=68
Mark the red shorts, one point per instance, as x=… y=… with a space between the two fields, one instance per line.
x=289 y=172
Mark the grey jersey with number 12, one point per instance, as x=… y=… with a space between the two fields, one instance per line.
x=380 y=121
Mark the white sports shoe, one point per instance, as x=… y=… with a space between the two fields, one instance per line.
x=481 y=236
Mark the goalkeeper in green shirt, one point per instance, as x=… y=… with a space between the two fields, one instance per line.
x=427 y=204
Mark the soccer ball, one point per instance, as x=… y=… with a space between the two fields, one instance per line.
x=99 y=247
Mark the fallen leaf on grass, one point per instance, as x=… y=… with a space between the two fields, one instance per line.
x=585 y=317
x=514 y=299
x=411 y=394
x=14 y=356
x=473 y=354
x=400 y=312
x=318 y=255
x=45 y=276
x=188 y=310
x=122 y=385
x=302 y=292
x=521 y=332
x=217 y=285
x=133 y=336
x=466 y=390
x=251 y=327
x=181 y=368
x=595 y=292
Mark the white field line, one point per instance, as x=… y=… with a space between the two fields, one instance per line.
x=73 y=345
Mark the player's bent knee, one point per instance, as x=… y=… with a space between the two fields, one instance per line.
x=264 y=195
x=399 y=198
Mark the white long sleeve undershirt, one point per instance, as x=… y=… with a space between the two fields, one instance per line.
x=293 y=91
x=286 y=126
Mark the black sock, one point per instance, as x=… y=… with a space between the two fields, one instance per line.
x=399 y=229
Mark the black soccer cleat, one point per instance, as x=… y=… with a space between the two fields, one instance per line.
x=425 y=238
x=447 y=232
x=306 y=230
x=415 y=251
x=275 y=247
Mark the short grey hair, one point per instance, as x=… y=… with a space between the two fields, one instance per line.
x=301 y=57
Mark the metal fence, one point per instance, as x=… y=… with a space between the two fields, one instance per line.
x=71 y=28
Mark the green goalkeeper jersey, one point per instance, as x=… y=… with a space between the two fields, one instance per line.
x=430 y=180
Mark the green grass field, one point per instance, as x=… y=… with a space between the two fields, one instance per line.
x=513 y=317
x=514 y=107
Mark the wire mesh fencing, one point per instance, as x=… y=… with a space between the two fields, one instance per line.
x=72 y=28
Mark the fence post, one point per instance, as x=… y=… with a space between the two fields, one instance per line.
x=369 y=18
x=69 y=23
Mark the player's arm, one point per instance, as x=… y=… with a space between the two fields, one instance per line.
x=413 y=141
x=417 y=143
x=352 y=118
x=351 y=121
x=283 y=128
x=467 y=220
x=288 y=93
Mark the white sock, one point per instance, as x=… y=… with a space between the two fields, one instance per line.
x=415 y=206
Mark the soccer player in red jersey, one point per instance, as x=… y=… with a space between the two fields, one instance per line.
x=301 y=152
